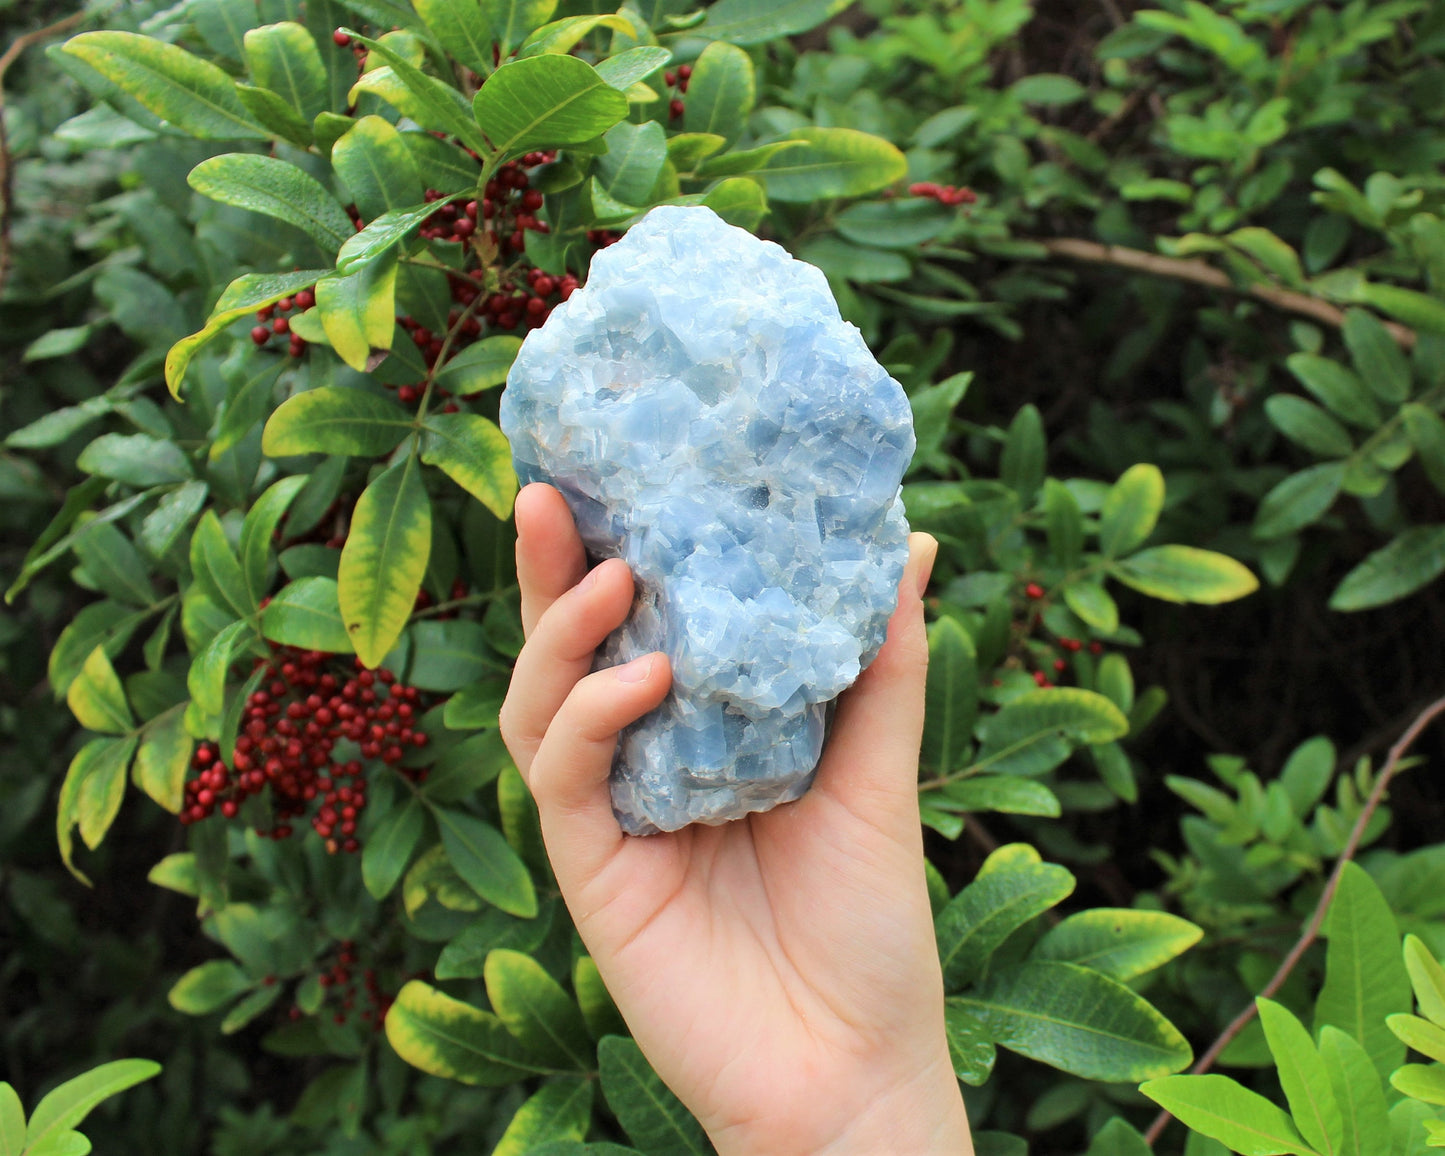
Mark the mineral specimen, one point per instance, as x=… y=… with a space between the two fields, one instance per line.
x=712 y=421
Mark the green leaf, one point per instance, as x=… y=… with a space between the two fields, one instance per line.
x=749 y=22
x=358 y=311
x=113 y=563
x=384 y=560
x=61 y=1144
x=1021 y=466
x=278 y=117
x=1006 y=794
x=951 y=698
x=1047 y=88
x=284 y=58
x=535 y=1009
x=546 y=102
x=627 y=68
x=1274 y=254
x=191 y=94
x=1092 y=603
x=99 y=794
x=97 y=698
x=1185 y=574
x=461 y=29
x=384 y=234
x=258 y=529
x=1365 y=977
x=449 y=655
x=1064 y=524
x=388 y=849
x=465 y=956
x=176 y=872
x=1426 y=430
x=1419 y=1035
x=986 y=912
x=1309 y=426
x=1427 y=978
x=598 y=1010
x=206 y=679
x=1219 y=1108
x=205 y=988
x=1378 y=357
x=215 y=567
x=970 y=1049
x=12 y=1122
x=1123 y=943
x=721 y=92
x=376 y=166
x=1420 y=1082
x=66 y=1106
x=334 y=419
x=1414 y=559
x=484 y=859
x=630 y=168
x=1077 y=1020
x=739 y=201
x=1045 y=715
x=565 y=34
x=561 y=1109
x=1416 y=310
x=480 y=366
x=655 y=1119
x=277 y=189
x=1117 y=1138
x=242 y=296
x=474 y=453
x=1363 y=1112
x=433 y=104
x=249 y=1008
x=307 y=613
x=446 y=1037
x=1301 y=500
x=1338 y=389
x=1131 y=510
x=1302 y=1075
x=103 y=624
x=512 y=20
x=835 y=162
x=135 y=459
x=478 y=705
x=162 y=759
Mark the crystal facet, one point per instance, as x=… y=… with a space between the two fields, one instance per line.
x=712 y=421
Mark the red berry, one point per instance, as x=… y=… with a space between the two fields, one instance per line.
x=305 y=299
x=1060 y=665
x=1041 y=678
x=669 y=78
x=1034 y=590
x=1096 y=648
x=684 y=72
x=341 y=39
x=674 y=108
x=261 y=334
x=464 y=227
x=280 y=325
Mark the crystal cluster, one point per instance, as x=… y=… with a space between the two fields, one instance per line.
x=712 y=421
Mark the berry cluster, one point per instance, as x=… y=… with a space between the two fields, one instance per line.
x=677 y=80
x=273 y=320
x=290 y=731
x=943 y=194
x=339 y=978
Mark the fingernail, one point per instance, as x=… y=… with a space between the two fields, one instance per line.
x=638 y=670
x=929 y=552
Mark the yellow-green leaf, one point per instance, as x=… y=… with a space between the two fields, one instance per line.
x=334 y=419
x=101 y=791
x=161 y=761
x=97 y=698
x=1185 y=574
x=474 y=453
x=377 y=167
x=446 y=1037
x=1131 y=510
x=277 y=189
x=560 y=1110
x=836 y=162
x=546 y=102
x=358 y=311
x=384 y=560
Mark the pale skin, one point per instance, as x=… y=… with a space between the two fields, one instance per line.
x=779 y=972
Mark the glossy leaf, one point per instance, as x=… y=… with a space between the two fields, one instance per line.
x=1414 y=559
x=205 y=988
x=1077 y=1020
x=546 y=102
x=1365 y=977
x=284 y=58
x=512 y=20
x=1045 y=715
x=1377 y=356
x=384 y=559
x=388 y=849
x=97 y=698
x=382 y=235
x=461 y=29
x=1363 y=1113
x=433 y=104
x=1123 y=943
x=1427 y=978
x=112 y=563
x=1309 y=426
x=1337 y=388
x=102 y=789
x=474 y=453
x=162 y=760
x=629 y=170
x=535 y=1009
x=749 y=22
x=970 y=1049
x=1021 y=465
x=721 y=92
x=1064 y=524
x=1300 y=500
x=483 y=858
x=206 y=679
x=1131 y=510
x=1303 y=1076
x=1426 y=430
x=561 y=1109
x=190 y=93
x=1218 y=1107
x=259 y=527
x=655 y=1119
x=1007 y=794
x=307 y=614
x=951 y=697
x=834 y=162
x=378 y=169
x=481 y=365
x=66 y=1106
x=987 y=911
x=104 y=624
x=446 y=1037
x=358 y=311
x=12 y=1122
x=136 y=459
x=1185 y=574
x=333 y=419
x=1093 y=604
x=277 y=189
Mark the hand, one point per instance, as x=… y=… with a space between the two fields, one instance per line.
x=780 y=971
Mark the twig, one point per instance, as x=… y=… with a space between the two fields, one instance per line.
x=10 y=56
x=1203 y=273
x=1317 y=920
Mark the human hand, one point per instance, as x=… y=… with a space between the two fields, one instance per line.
x=779 y=971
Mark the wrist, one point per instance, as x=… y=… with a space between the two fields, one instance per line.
x=921 y=1114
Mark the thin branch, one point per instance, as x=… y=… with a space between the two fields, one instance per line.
x=10 y=56
x=1317 y=920
x=1203 y=273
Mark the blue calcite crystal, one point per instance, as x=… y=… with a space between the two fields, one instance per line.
x=712 y=421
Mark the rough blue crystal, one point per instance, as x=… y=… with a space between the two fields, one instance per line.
x=713 y=422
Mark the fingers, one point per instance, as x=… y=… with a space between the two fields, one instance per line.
x=870 y=762
x=550 y=558
x=559 y=652
x=569 y=773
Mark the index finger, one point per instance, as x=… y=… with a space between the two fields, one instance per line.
x=550 y=557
